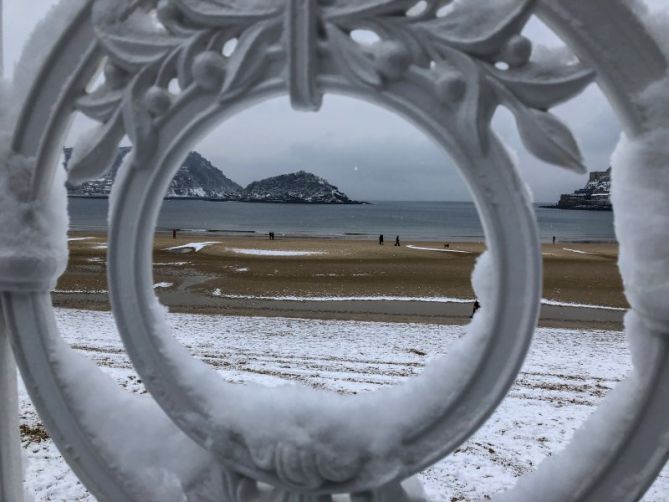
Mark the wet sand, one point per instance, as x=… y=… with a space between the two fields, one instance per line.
x=245 y=276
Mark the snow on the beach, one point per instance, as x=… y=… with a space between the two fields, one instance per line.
x=556 y=303
x=429 y=299
x=81 y=291
x=195 y=246
x=163 y=285
x=565 y=376
x=271 y=252
x=445 y=250
x=577 y=251
x=287 y=298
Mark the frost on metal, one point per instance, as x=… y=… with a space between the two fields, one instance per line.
x=640 y=191
x=173 y=69
x=33 y=247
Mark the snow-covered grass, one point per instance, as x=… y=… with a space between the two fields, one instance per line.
x=270 y=252
x=565 y=376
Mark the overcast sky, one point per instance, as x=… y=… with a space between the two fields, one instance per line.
x=368 y=152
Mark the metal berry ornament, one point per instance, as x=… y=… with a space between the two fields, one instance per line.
x=445 y=66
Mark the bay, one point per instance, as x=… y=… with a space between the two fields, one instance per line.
x=430 y=221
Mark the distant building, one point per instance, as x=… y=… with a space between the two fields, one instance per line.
x=596 y=195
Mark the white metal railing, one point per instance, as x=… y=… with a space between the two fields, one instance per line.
x=202 y=439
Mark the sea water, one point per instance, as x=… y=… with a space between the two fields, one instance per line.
x=431 y=221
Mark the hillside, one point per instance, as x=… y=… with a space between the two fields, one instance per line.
x=300 y=187
x=196 y=179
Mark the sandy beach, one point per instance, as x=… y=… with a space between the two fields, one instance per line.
x=343 y=279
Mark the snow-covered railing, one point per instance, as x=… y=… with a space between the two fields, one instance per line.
x=443 y=65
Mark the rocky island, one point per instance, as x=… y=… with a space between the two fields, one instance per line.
x=199 y=179
x=596 y=195
x=301 y=187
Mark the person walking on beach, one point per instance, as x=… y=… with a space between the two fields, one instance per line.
x=381 y=240
x=477 y=306
x=271 y=236
x=397 y=241
x=553 y=240
x=174 y=233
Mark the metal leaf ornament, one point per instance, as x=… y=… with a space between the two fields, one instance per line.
x=549 y=139
x=94 y=153
x=480 y=27
x=456 y=43
x=217 y=13
x=353 y=61
x=443 y=37
x=241 y=69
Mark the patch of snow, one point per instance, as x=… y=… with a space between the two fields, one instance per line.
x=195 y=246
x=80 y=291
x=445 y=250
x=172 y=264
x=163 y=285
x=100 y=246
x=268 y=252
x=577 y=251
x=556 y=303
x=437 y=299
x=429 y=299
x=73 y=239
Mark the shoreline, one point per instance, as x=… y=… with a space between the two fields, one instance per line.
x=343 y=278
x=261 y=234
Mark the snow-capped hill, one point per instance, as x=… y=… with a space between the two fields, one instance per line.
x=197 y=179
x=299 y=187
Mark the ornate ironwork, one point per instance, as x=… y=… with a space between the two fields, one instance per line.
x=173 y=69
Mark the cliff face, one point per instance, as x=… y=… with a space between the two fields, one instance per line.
x=596 y=195
x=196 y=179
x=300 y=187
